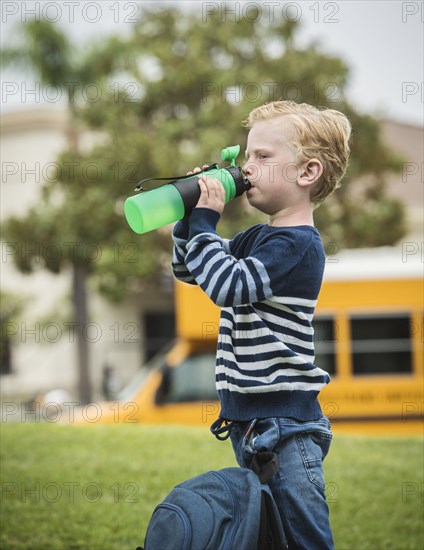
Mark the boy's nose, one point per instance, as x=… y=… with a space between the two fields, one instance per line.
x=250 y=170
x=247 y=168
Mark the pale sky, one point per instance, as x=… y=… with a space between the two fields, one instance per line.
x=381 y=41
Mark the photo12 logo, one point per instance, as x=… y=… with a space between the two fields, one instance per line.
x=412 y=11
x=322 y=12
x=71 y=12
x=71 y=412
x=252 y=92
x=69 y=491
x=74 y=92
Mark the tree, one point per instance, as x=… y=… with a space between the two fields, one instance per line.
x=188 y=82
x=179 y=111
x=11 y=308
x=46 y=51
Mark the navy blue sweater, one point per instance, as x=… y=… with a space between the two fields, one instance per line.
x=266 y=280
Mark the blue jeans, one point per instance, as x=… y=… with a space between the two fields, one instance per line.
x=298 y=488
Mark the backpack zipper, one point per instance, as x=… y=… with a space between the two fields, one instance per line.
x=231 y=533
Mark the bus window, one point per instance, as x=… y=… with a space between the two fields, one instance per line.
x=192 y=380
x=381 y=344
x=324 y=341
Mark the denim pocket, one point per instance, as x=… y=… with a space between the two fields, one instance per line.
x=323 y=440
x=313 y=447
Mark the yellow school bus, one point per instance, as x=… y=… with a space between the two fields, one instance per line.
x=368 y=336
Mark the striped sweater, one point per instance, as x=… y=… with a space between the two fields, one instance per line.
x=267 y=281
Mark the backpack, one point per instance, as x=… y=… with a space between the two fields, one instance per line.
x=228 y=509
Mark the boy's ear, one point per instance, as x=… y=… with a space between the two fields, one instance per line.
x=309 y=172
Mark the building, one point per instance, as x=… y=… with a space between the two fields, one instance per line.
x=40 y=346
x=41 y=350
x=408 y=186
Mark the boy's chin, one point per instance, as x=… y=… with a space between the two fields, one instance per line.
x=251 y=201
x=255 y=202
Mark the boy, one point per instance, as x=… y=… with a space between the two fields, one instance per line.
x=267 y=280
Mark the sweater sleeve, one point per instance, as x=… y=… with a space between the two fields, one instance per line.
x=229 y=281
x=180 y=236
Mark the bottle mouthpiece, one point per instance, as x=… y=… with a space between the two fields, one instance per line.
x=230 y=154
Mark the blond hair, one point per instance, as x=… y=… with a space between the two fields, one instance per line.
x=318 y=133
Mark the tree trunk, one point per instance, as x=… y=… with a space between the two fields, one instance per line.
x=79 y=296
x=79 y=279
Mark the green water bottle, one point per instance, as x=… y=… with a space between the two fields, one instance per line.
x=174 y=200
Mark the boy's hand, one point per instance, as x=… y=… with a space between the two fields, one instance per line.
x=212 y=194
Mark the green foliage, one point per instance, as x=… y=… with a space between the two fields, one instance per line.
x=11 y=305
x=95 y=487
x=45 y=50
x=173 y=94
x=180 y=111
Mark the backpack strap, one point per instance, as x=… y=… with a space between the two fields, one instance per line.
x=265 y=465
x=270 y=536
x=271 y=532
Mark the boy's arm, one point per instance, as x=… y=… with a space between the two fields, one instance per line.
x=180 y=237
x=227 y=280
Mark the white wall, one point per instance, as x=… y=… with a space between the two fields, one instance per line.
x=43 y=343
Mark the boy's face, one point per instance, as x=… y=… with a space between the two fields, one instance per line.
x=271 y=166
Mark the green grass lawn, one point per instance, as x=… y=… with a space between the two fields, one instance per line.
x=95 y=487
